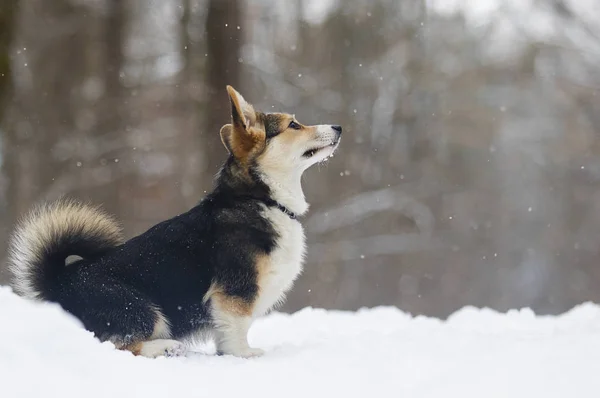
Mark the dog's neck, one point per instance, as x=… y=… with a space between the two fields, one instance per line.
x=283 y=187
x=286 y=189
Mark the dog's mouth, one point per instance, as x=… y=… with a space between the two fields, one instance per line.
x=312 y=152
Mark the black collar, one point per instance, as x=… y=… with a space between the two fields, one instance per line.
x=267 y=200
x=273 y=203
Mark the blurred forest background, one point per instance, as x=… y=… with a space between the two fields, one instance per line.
x=469 y=172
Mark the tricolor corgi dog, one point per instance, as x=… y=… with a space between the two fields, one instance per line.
x=209 y=271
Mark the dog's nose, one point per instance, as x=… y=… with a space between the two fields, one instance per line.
x=337 y=128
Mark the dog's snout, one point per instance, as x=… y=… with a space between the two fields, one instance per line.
x=337 y=128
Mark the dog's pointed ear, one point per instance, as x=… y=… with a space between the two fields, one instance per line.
x=226 y=133
x=241 y=137
x=243 y=115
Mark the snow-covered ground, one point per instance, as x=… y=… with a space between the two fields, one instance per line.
x=315 y=353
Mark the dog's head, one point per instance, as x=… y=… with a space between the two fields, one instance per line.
x=275 y=143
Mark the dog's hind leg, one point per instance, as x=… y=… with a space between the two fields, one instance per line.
x=120 y=314
x=159 y=343
x=146 y=341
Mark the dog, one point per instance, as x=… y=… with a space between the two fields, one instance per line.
x=209 y=271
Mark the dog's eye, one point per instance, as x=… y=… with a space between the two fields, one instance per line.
x=294 y=125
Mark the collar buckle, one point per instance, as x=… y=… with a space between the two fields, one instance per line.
x=285 y=210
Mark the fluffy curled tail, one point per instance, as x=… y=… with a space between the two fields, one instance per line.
x=50 y=233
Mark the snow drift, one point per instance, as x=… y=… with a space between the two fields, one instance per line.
x=315 y=353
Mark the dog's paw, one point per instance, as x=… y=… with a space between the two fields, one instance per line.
x=176 y=350
x=162 y=347
x=250 y=353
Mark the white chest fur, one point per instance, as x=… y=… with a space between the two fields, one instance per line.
x=285 y=262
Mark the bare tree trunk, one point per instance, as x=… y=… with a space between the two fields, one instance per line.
x=115 y=32
x=224 y=39
x=8 y=11
x=111 y=126
x=191 y=106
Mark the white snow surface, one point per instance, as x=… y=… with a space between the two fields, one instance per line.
x=315 y=353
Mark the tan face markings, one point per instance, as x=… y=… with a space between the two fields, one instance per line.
x=285 y=134
x=276 y=142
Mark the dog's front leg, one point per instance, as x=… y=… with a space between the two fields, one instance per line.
x=232 y=317
x=231 y=335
